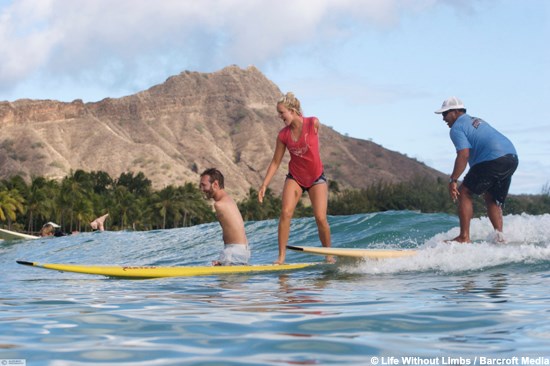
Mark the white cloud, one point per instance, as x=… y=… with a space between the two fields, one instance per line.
x=124 y=41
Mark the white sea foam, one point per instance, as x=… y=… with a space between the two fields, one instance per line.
x=527 y=242
x=518 y=229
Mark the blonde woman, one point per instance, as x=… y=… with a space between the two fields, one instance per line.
x=301 y=137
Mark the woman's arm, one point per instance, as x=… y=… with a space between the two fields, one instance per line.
x=272 y=169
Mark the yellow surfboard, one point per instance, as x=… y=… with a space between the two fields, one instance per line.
x=157 y=272
x=354 y=252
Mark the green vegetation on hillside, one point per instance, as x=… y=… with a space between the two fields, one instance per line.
x=77 y=199
x=133 y=204
x=425 y=195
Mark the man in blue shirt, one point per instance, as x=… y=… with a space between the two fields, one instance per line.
x=492 y=158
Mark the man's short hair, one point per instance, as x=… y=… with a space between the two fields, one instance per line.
x=215 y=175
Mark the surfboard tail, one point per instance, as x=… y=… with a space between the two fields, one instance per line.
x=25 y=263
x=355 y=252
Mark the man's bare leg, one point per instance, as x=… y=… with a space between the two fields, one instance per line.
x=494 y=211
x=98 y=224
x=465 y=214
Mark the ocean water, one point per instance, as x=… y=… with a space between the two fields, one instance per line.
x=478 y=304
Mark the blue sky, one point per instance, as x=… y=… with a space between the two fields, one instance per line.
x=371 y=69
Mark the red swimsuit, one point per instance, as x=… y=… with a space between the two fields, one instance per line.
x=305 y=164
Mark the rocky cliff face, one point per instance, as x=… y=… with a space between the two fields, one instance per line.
x=173 y=131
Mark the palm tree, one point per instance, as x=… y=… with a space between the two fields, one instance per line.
x=166 y=202
x=193 y=208
x=124 y=204
x=251 y=209
x=11 y=202
x=40 y=201
x=101 y=181
x=138 y=185
x=73 y=192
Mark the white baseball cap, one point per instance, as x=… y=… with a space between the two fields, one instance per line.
x=450 y=103
x=53 y=224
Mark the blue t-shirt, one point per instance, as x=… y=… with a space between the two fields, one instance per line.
x=485 y=143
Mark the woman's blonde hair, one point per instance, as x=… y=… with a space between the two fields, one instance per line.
x=291 y=103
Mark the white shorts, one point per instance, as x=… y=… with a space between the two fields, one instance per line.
x=234 y=255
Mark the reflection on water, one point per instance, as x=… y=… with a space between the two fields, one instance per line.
x=496 y=289
x=446 y=301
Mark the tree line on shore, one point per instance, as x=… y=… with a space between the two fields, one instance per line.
x=133 y=204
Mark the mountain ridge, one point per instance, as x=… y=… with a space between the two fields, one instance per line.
x=174 y=130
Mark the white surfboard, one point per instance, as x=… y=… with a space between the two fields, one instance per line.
x=14 y=235
x=355 y=253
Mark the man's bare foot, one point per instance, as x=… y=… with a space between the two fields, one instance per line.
x=216 y=263
x=98 y=224
x=330 y=259
x=279 y=261
x=459 y=239
x=498 y=237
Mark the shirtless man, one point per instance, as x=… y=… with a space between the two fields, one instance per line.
x=236 y=250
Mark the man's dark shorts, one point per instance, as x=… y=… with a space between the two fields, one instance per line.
x=492 y=176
